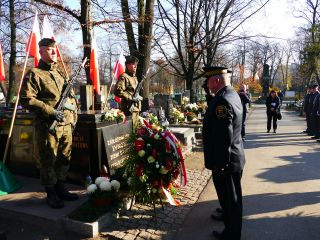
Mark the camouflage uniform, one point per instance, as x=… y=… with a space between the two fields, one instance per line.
x=125 y=88
x=41 y=91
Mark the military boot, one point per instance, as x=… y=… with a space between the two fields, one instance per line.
x=63 y=193
x=52 y=199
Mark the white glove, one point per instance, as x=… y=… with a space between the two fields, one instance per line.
x=137 y=99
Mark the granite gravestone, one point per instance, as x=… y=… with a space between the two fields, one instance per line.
x=116 y=143
x=165 y=101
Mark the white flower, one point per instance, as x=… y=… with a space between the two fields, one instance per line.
x=115 y=185
x=105 y=186
x=129 y=181
x=112 y=172
x=92 y=188
x=100 y=180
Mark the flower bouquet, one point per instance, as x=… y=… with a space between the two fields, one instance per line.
x=113 y=114
x=191 y=107
x=103 y=192
x=177 y=115
x=154 y=164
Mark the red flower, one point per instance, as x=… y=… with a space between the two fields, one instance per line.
x=142 y=132
x=169 y=164
x=155 y=183
x=139 y=144
x=139 y=170
x=154 y=153
x=175 y=173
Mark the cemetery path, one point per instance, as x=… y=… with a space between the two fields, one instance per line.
x=281 y=185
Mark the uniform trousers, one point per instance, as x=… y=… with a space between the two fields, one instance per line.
x=55 y=154
x=228 y=187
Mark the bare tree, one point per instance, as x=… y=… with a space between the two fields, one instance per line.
x=194 y=30
x=140 y=44
x=312 y=40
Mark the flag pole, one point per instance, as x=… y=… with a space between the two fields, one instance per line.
x=63 y=64
x=110 y=89
x=16 y=104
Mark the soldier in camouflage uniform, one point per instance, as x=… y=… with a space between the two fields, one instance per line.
x=41 y=91
x=125 y=88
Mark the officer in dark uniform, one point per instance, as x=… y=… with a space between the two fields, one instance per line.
x=125 y=89
x=223 y=148
x=40 y=93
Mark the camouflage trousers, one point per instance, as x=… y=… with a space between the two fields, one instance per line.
x=55 y=154
x=135 y=120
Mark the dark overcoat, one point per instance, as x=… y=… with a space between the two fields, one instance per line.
x=223 y=146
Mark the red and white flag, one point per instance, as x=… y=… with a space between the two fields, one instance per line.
x=34 y=38
x=119 y=68
x=48 y=33
x=94 y=67
x=2 y=72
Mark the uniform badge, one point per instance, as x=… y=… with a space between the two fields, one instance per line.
x=221 y=111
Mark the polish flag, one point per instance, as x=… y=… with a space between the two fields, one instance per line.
x=48 y=33
x=2 y=72
x=34 y=38
x=94 y=67
x=119 y=68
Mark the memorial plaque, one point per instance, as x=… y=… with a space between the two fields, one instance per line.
x=116 y=144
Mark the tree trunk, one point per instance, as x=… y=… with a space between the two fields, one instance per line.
x=86 y=28
x=143 y=51
x=13 y=55
x=145 y=39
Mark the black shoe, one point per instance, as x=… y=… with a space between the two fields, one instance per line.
x=217 y=216
x=268 y=130
x=52 y=198
x=63 y=193
x=219 y=210
x=315 y=137
x=274 y=131
x=218 y=235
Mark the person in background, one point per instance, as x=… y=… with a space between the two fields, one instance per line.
x=40 y=93
x=315 y=113
x=125 y=89
x=273 y=106
x=280 y=95
x=245 y=100
x=223 y=148
x=313 y=93
x=305 y=108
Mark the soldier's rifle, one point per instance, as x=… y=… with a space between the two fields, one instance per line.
x=62 y=104
x=138 y=88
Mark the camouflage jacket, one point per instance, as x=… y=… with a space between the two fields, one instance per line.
x=125 y=88
x=41 y=91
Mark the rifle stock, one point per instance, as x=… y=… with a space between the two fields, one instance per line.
x=65 y=94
